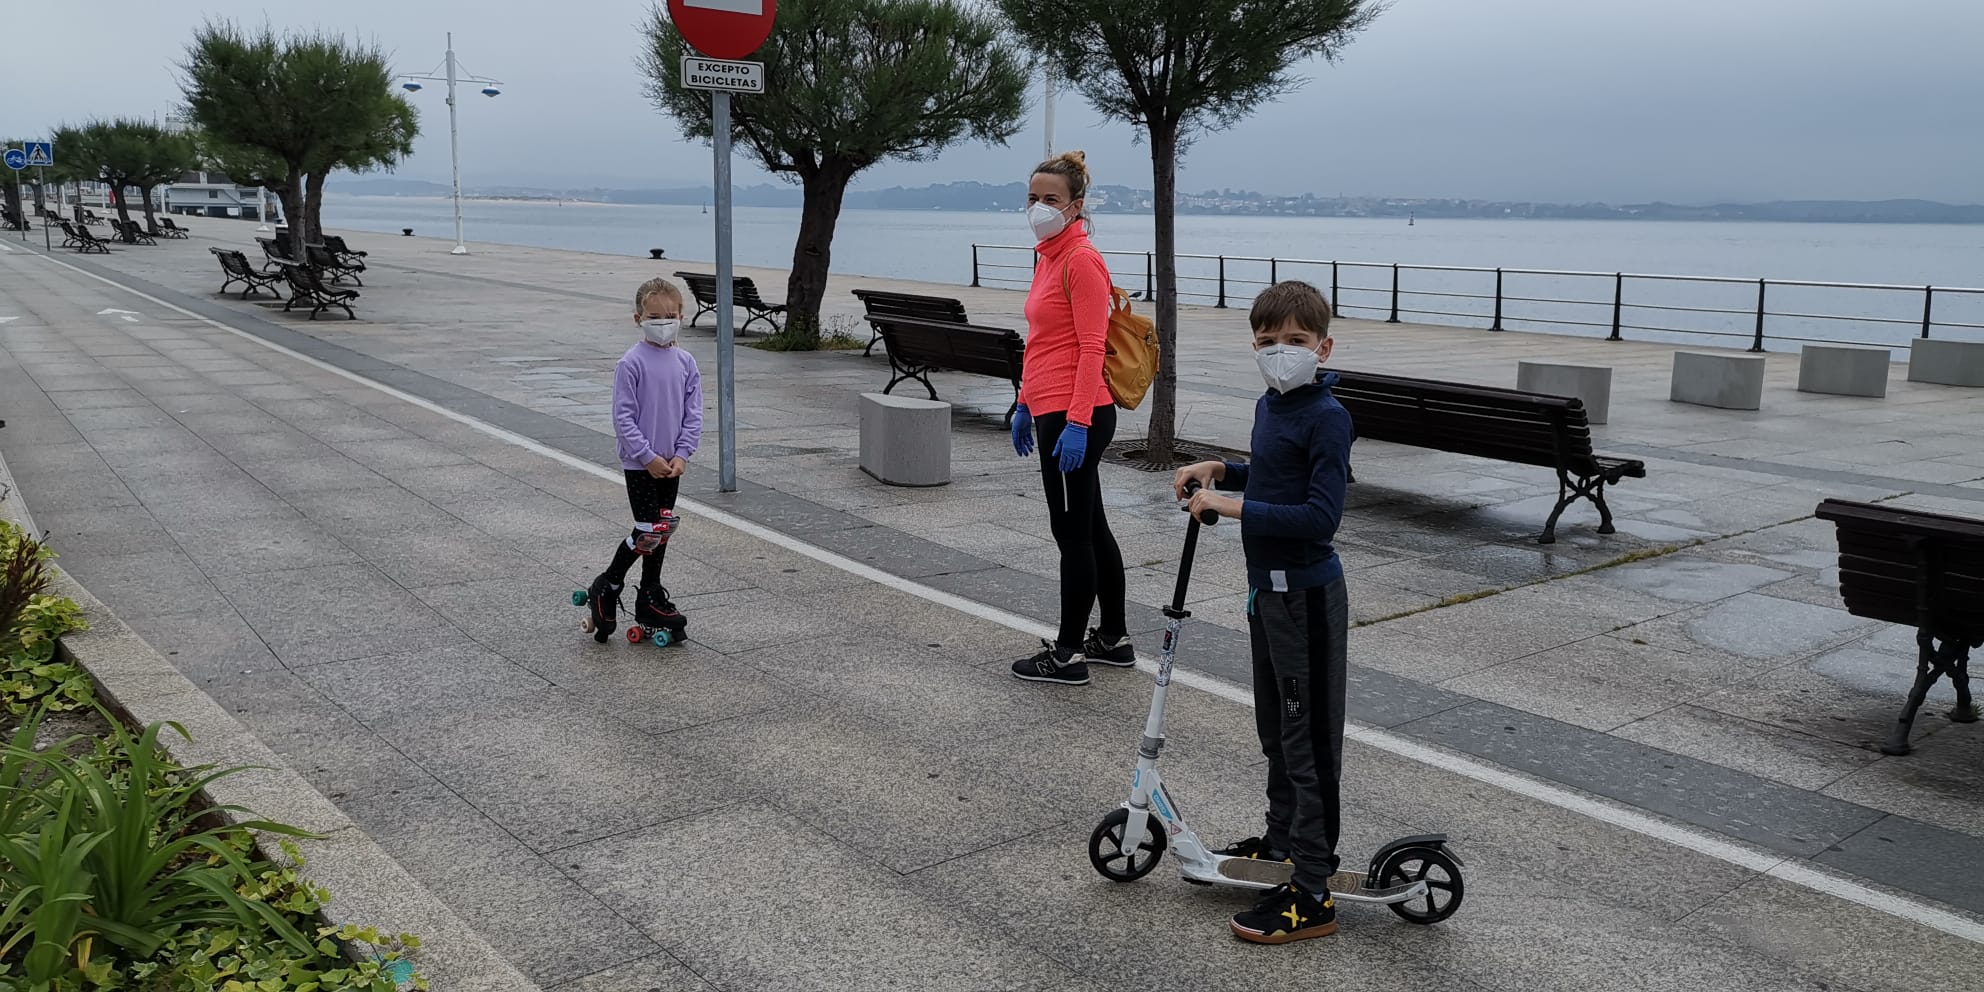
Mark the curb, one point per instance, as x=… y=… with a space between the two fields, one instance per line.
x=367 y=886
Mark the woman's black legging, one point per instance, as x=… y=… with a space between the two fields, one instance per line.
x=1091 y=563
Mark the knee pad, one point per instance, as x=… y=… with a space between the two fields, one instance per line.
x=647 y=537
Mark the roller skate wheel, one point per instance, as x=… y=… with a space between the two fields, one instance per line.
x=578 y=597
x=635 y=634
x=586 y=625
x=662 y=638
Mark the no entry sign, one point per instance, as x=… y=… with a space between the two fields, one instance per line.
x=723 y=29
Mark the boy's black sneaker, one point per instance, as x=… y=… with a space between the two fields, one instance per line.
x=1257 y=849
x=1119 y=652
x=1286 y=914
x=1052 y=664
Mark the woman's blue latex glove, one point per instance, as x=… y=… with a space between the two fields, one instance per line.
x=1022 y=431
x=1072 y=448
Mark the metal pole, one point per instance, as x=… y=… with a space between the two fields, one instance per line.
x=1047 y=114
x=45 y=242
x=1618 y=303
x=454 y=150
x=726 y=399
x=1393 y=319
x=1274 y=271
x=974 y=266
x=1758 y=343
x=1336 y=299
x=1150 y=278
x=1928 y=308
x=1222 y=282
x=1497 y=325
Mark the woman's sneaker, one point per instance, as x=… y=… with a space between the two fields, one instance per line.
x=1286 y=914
x=1118 y=652
x=1052 y=664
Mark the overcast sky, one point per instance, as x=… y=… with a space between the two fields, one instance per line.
x=1557 y=100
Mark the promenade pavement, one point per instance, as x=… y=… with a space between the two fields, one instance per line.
x=835 y=785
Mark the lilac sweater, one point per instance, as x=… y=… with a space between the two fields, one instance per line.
x=657 y=404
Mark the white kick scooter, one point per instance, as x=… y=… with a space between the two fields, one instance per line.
x=1418 y=877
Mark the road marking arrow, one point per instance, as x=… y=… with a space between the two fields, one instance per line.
x=130 y=315
x=4 y=320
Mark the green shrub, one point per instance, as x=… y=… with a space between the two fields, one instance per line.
x=116 y=873
x=30 y=622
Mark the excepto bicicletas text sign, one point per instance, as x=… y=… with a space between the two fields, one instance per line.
x=699 y=73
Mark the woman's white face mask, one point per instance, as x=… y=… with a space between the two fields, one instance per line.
x=1046 y=221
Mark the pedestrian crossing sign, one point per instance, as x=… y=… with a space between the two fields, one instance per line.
x=40 y=153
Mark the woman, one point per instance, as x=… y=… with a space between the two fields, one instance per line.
x=1067 y=409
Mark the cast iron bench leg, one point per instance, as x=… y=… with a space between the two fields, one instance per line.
x=1931 y=663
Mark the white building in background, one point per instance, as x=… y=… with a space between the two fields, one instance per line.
x=211 y=194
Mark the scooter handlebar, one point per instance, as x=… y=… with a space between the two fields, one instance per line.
x=1207 y=517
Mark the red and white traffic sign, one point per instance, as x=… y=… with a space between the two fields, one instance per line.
x=724 y=29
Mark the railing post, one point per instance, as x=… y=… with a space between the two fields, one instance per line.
x=1222 y=282
x=1336 y=299
x=974 y=266
x=1758 y=343
x=1393 y=319
x=1497 y=325
x=1618 y=303
x=1274 y=271
x=1928 y=309
x=1150 y=280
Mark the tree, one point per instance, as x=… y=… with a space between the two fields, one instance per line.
x=242 y=165
x=312 y=103
x=1177 y=69
x=848 y=84
x=10 y=187
x=128 y=154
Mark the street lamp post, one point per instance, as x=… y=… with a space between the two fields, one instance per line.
x=452 y=76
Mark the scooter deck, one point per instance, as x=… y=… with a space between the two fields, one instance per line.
x=1253 y=871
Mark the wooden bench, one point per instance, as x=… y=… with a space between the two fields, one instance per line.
x=1503 y=424
x=275 y=255
x=236 y=267
x=1921 y=570
x=307 y=286
x=132 y=233
x=743 y=293
x=83 y=240
x=882 y=303
x=171 y=230
x=919 y=347
x=343 y=251
x=323 y=260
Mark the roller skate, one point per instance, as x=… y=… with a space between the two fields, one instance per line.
x=656 y=619
x=602 y=602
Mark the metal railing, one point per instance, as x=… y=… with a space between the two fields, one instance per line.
x=1615 y=303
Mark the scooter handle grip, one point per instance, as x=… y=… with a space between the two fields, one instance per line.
x=1207 y=517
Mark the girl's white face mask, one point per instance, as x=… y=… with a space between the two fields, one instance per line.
x=661 y=332
x=1045 y=221
x=1286 y=367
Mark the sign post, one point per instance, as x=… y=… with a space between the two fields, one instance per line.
x=17 y=160
x=723 y=31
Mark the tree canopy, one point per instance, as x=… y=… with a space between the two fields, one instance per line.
x=848 y=84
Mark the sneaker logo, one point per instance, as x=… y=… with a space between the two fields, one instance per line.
x=1294 y=916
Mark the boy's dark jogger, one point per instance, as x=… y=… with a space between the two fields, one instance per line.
x=1091 y=562
x=1299 y=669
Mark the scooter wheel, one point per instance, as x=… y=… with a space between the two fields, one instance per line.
x=1105 y=847
x=1437 y=869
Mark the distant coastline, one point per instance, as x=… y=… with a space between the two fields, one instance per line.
x=985 y=198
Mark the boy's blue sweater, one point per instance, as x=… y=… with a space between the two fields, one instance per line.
x=1293 y=487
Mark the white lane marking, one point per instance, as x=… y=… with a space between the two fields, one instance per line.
x=4 y=246
x=1804 y=875
x=129 y=315
x=8 y=320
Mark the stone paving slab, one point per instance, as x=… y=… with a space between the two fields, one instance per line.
x=520 y=731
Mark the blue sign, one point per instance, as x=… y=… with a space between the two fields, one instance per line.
x=40 y=153
x=17 y=159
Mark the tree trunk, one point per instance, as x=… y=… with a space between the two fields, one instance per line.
x=313 y=209
x=79 y=202
x=123 y=209
x=291 y=196
x=40 y=196
x=151 y=218
x=812 y=253
x=1164 y=391
x=10 y=189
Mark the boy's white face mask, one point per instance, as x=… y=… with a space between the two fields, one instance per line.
x=661 y=332
x=1286 y=367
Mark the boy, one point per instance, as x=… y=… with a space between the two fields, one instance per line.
x=658 y=415
x=1296 y=611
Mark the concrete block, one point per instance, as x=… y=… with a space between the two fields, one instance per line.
x=1950 y=363
x=1590 y=383
x=1731 y=382
x=906 y=442
x=1842 y=370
